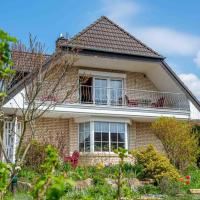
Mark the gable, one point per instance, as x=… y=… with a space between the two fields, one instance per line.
x=105 y=35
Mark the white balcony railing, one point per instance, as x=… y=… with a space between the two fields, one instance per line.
x=132 y=98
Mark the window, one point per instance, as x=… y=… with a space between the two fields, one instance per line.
x=106 y=136
x=101 y=91
x=12 y=133
x=84 y=137
x=101 y=136
x=117 y=132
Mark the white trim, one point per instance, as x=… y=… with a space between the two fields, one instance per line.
x=100 y=73
x=15 y=139
x=126 y=136
x=102 y=119
x=91 y=137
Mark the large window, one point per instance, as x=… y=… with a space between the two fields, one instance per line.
x=102 y=136
x=101 y=91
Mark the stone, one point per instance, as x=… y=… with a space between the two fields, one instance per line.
x=111 y=182
x=194 y=191
x=83 y=184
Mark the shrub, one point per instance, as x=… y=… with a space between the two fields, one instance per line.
x=179 y=143
x=35 y=156
x=169 y=187
x=4 y=176
x=155 y=164
x=148 y=189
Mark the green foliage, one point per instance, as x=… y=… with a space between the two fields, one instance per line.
x=170 y=187
x=131 y=170
x=196 y=133
x=149 y=189
x=4 y=176
x=155 y=164
x=5 y=58
x=51 y=185
x=179 y=143
x=27 y=174
x=194 y=172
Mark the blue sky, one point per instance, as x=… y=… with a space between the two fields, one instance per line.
x=170 y=27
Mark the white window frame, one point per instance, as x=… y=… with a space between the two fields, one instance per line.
x=17 y=132
x=103 y=75
x=92 y=136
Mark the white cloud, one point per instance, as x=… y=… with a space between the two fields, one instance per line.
x=120 y=11
x=165 y=40
x=169 y=41
x=193 y=83
x=197 y=59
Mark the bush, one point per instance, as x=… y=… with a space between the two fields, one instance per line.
x=169 y=187
x=149 y=189
x=179 y=143
x=155 y=164
x=35 y=156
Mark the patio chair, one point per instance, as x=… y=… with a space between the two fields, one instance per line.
x=73 y=160
x=159 y=103
x=131 y=102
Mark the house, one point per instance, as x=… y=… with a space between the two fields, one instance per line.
x=128 y=86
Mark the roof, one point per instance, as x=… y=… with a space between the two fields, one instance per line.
x=25 y=61
x=105 y=35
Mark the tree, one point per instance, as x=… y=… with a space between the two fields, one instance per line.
x=42 y=81
x=180 y=144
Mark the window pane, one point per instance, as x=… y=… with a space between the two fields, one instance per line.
x=87 y=147
x=105 y=137
x=97 y=136
x=97 y=126
x=113 y=127
x=81 y=147
x=113 y=146
x=122 y=145
x=105 y=146
x=87 y=127
x=113 y=137
x=97 y=146
x=120 y=137
x=104 y=127
x=81 y=137
x=121 y=127
x=87 y=136
x=81 y=127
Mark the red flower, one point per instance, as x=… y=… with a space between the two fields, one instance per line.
x=187 y=182
x=188 y=177
x=181 y=179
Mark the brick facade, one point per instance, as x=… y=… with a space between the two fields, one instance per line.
x=63 y=133
x=69 y=84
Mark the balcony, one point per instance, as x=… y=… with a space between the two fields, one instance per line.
x=131 y=98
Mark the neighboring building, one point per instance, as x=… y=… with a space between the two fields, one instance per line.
x=129 y=85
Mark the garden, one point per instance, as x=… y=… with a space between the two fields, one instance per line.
x=153 y=175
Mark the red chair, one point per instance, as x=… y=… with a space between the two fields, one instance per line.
x=131 y=102
x=73 y=160
x=159 y=103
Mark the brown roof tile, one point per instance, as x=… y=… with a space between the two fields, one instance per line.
x=105 y=35
x=25 y=61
